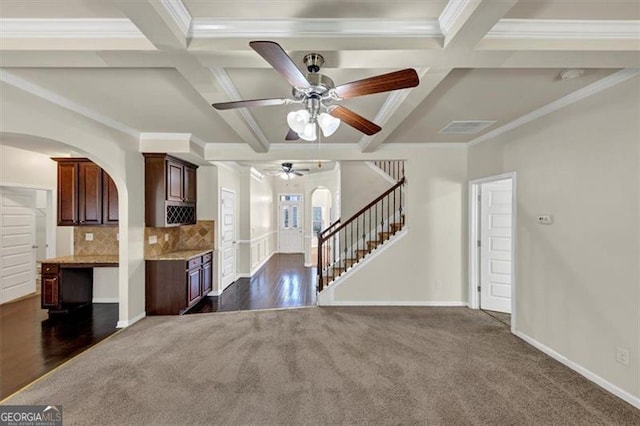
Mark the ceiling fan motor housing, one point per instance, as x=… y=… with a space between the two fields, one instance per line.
x=313 y=61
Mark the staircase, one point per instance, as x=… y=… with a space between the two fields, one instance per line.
x=345 y=243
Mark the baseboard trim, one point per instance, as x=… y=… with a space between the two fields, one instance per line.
x=308 y=265
x=606 y=385
x=215 y=293
x=127 y=323
x=261 y=264
x=105 y=300
x=396 y=303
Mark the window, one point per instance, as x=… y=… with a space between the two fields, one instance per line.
x=294 y=217
x=317 y=220
x=285 y=217
x=290 y=197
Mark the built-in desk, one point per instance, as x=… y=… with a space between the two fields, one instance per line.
x=67 y=282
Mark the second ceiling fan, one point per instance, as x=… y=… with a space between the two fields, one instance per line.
x=318 y=94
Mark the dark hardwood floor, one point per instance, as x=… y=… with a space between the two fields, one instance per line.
x=283 y=282
x=31 y=344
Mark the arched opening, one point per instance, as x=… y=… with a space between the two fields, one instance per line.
x=322 y=216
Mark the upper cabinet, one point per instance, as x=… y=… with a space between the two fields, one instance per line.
x=170 y=191
x=86 y=194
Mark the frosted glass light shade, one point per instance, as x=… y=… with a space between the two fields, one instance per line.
x=286 y=176
x=328 y=123
x=309 y=132
x=297 y=120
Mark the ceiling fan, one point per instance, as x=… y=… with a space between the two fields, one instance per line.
x=318 y=94
x=287 y=171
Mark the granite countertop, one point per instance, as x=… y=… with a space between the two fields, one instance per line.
x=180 y=254
x=86 y=259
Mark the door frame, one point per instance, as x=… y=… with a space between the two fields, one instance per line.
x=301 y=221
x=221 y=286
x=474 y=234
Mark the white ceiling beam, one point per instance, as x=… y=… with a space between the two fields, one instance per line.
x=429 y=80
x=160 y=21
x=471 y=21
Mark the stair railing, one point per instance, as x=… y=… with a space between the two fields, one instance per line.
x=343 y=244
x=394 y=168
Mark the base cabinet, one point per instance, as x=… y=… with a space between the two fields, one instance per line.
x=174 y=286
x=65 y=288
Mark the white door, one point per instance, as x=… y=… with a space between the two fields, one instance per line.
x=495 y=245
x=17 y=246
x=228 y=240
x=291 y=230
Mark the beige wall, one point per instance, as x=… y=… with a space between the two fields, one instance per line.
x=578 y=279
x=426 y=265
x=229 y=179
x=359 y=185
x=263 y=236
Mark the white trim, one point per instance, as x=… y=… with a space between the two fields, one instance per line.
x=256 y=239
x=29 y=186
x=86 y=28
x=314 y=27
x=105 y=300
x=261 y=264
x=474 y=234
x=590 y=90
x=451 y=13
x=179 y=14
x=381 y=172
x=215 y=293
x=606 y=385
x=232 y=166
x=573 y=29
x=308 y=265
x=422 y=145
x=240 y=275
x=257 y=175
x=22 y=84
x=165 y=136
x=127 y=323
x=232 y=93
x=397 y=303
x=307 y=146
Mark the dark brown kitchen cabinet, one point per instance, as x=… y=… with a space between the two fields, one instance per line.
x=170 y=191
x=86 y=194
x=174 y=286
x=50 y=290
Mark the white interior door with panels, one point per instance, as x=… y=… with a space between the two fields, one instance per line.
x=18 y=243
x=228 y=242
x=496 y=218
x=290 y=229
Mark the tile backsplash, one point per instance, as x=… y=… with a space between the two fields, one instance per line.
x=104 y=242
x=187 y=237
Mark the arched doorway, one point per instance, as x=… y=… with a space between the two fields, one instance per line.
x=321 y=217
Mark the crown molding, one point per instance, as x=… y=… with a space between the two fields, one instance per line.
x=309 y=146
x=313 y=27
x=34 y=89
x=180 y=15
x=450 y=14
x=232 y=93
x=100 y=28
x=564 y=29
x=590 y=90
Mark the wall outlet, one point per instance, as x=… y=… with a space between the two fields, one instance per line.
x=166 y=237
x=153 y=239
x=118 y=236
x=545 y=219
x=88 y=236
x=622 y=355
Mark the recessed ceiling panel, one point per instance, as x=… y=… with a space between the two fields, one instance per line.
x=315 y=9
x=267 y=83
x=581 y=9
x=486 y=94
x=59 y=9
x=148 y=100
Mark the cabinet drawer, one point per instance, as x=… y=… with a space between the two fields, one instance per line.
x=50 y=268
x=207 y=257
x=194 y=263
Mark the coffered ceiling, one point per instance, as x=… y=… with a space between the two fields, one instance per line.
x=156 y=66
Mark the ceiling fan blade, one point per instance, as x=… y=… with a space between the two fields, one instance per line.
x=302 y=170
x=292 y=136
x=297 y=173
x=249 y=103
x=278 y=58
x=354 y=120
x=381 y=83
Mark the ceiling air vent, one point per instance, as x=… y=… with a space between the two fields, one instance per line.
x=466 y=127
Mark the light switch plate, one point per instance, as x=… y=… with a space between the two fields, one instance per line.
x=545 y=219
x=88 y=236
x=153 y=239
x=166 y=237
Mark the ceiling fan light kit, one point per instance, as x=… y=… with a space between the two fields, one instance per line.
x=317 y=94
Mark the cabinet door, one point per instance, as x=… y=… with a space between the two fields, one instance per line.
x=109 y=200
x=67 y=194
x=207 y=278
x=193 y=285
x=190 y=184
x=50 y=291
x=89 y=194
x=175 y=182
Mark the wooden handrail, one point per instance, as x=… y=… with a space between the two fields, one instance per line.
x=324 y=231
x=364 y=209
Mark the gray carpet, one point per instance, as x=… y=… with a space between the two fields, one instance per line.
x=376 y=365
